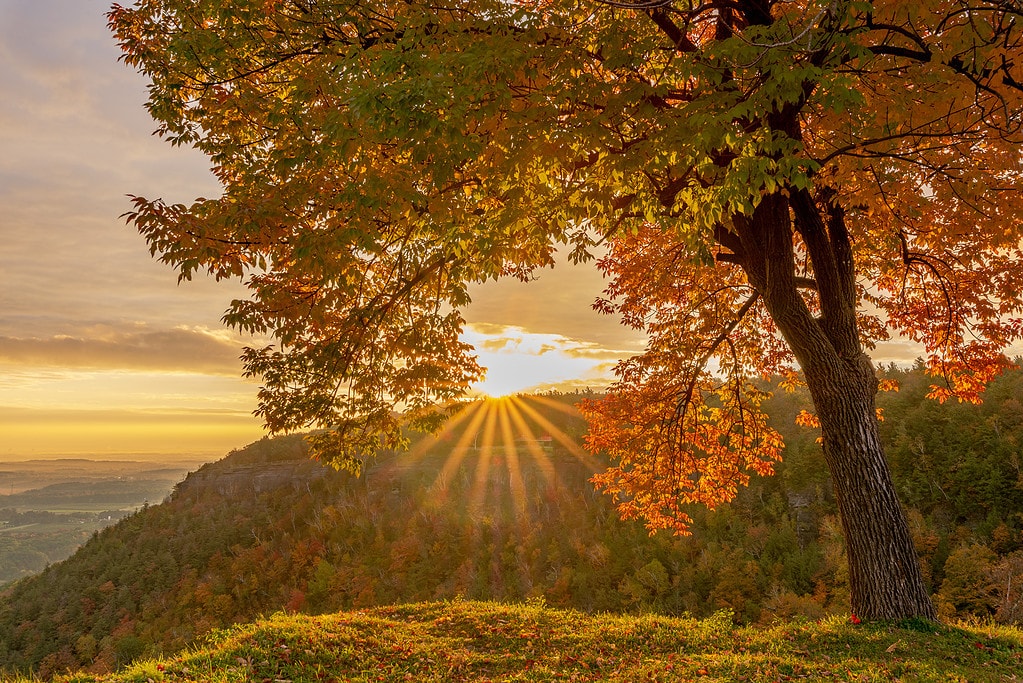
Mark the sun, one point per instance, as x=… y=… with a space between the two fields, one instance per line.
x=519 y=361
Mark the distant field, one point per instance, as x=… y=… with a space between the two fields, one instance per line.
x=48 y=508
x=91 y=496
x=26 y=475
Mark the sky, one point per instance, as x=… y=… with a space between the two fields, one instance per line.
x=102 y=352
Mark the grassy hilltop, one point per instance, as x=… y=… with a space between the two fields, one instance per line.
x=485 y=641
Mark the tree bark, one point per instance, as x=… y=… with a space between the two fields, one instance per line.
x=885 y=580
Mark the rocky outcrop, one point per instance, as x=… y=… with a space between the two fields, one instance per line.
x=231 y=481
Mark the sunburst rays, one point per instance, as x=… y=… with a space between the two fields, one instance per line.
x=516 y=483
x=567 y=442
x=493 y=464
x=468 y=439
x=484 y=454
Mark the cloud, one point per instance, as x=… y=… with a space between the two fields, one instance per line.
x=76 y=139
x=593 y=352
x=516 y=339
x=180 y=349
x=558 y=301
x=497 y=344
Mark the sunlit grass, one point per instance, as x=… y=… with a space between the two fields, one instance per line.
x=483 y=641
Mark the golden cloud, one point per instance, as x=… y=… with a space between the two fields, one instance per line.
x=180 y=349
x=498 y=343
x=557 y=301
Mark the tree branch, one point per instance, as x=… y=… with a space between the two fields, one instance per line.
x=676 y=35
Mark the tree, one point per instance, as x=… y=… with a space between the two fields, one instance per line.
x=969 y=587
x=769 y=185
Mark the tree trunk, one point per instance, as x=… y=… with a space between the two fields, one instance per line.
x=884 y=572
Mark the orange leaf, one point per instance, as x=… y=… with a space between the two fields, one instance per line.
x=806 y=419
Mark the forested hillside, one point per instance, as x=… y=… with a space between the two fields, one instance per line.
x=497 y=506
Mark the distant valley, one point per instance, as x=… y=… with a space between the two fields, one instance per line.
x=48 y=508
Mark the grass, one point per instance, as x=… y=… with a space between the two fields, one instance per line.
x=484 y=641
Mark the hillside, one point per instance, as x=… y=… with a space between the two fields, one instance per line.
x=472 y=641
x=498 y=507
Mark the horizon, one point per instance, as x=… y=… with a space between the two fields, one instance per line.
x=114 y=457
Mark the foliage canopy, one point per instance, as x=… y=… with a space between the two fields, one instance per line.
x=768 y=184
